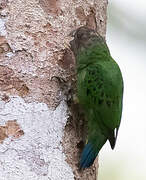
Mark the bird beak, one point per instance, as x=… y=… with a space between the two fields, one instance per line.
x=72 y=33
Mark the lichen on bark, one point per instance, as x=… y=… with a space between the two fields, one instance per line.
x=32 y=52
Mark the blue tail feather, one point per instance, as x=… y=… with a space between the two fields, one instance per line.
x=88 y=156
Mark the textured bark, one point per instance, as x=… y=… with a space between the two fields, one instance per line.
x=37 y=137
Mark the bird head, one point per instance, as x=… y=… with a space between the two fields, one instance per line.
x=84 y=37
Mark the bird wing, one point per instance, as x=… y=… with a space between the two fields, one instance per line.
x=101 y=95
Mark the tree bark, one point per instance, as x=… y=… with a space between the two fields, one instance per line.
x=37 y=137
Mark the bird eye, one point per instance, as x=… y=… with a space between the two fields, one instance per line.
x=82 y=35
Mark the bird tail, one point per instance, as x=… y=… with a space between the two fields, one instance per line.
x=88 y=156
x=89 y=153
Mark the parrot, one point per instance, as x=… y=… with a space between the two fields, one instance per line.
x=99 y=91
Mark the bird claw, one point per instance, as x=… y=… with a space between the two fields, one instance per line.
x=75 y=99
x=59 y=79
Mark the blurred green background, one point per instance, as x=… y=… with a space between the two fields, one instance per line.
x=126 y=38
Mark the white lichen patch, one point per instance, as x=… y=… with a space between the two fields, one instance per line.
x=36 y=155
x=2 y=28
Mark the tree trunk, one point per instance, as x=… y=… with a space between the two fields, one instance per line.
x=38 y=139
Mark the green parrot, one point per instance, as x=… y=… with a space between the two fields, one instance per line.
x=99 y=91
